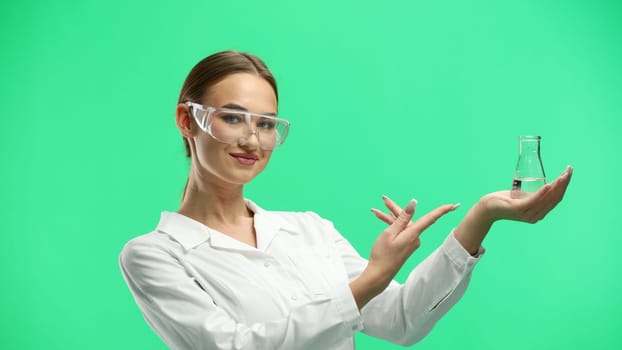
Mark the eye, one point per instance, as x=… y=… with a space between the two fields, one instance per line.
x=231 y=118
x=266 y=124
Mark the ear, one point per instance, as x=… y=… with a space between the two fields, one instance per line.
x=184 y=120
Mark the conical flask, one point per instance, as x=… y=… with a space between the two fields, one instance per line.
x=529 y=174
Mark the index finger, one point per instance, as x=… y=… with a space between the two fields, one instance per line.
x=428 y=219
x=392 y=206
x=403 y=219
x=564 y=180
x=556 y=194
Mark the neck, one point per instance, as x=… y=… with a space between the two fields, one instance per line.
x=214 y=203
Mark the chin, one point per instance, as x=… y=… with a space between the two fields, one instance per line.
x=243 y=179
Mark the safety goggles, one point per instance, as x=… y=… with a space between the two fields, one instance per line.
x=233 y=126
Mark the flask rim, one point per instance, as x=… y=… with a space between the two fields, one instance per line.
x=529 y=138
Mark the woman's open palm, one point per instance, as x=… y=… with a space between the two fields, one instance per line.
x=502 y=205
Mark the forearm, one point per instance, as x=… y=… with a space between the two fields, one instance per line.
x=474 y=227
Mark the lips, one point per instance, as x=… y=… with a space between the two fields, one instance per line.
x=245 y=158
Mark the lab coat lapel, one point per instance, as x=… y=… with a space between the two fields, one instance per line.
x=266 y=228
x=219 y=240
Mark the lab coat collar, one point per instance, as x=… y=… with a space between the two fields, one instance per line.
x=190 y=233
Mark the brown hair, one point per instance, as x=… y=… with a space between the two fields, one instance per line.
x=216 y=67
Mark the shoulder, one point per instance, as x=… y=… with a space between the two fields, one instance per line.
x=305 y=227
x=149 y=246
x=301 y=219
x=292 y=220
x=291 y=216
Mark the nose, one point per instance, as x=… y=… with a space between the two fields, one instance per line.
x=249 y=142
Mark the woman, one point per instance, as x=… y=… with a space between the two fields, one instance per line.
x=223 y=273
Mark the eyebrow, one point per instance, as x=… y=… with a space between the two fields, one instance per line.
x=241 y=108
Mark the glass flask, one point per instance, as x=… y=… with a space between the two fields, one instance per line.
x=529 y=174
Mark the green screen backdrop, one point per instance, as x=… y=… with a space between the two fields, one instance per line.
x=403 y=98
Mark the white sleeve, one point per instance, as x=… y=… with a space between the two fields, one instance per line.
x=405 y=313
x=186 y=317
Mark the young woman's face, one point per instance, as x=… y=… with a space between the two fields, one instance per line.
x=234 y=163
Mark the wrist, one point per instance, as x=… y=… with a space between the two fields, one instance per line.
x=375 y=279
x=483 y=212
x=475 y=226
x=365 y=287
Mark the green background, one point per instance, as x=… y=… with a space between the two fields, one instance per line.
x=408 y=99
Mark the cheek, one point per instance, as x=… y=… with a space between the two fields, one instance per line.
x=222 y=130
x=206 y=148
x=267 y=155
x=265 y=158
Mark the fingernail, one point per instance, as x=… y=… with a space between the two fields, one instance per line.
x=384 y=197
x=455 y=206
x=410 y=208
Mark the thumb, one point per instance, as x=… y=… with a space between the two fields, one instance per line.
x=403 y=219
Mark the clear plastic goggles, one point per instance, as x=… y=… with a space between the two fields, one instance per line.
x=233 y=126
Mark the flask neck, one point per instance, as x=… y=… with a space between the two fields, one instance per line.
x=530 y=147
